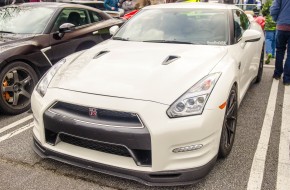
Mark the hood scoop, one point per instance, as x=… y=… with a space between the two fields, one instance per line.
x=101 y=53
x=170 y=59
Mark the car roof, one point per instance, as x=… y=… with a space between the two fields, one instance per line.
x=193 y=5
x=53 y=5
x=82 y=2
x=41 y=4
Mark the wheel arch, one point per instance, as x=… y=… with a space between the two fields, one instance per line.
x=26 y=61
x=228 y=68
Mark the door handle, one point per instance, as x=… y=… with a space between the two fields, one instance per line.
x=95 y=32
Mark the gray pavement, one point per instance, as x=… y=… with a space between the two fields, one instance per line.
x=21 y=168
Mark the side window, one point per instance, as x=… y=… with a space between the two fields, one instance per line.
x=78 y=17
x=95 y=17
x=241 y=24
x=245 y=23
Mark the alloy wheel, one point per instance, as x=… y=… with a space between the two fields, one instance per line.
x=230 y=119
x=229 y=125
x=17 y=87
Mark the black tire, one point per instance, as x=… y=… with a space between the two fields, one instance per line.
x=261 y=66
x=229 y=125
x=18 y=80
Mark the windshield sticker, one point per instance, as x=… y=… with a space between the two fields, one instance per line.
x=216 y=43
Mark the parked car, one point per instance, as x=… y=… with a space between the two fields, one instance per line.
x=95 y=4
x=9 y=2
x=158 y=102
x=34 y=36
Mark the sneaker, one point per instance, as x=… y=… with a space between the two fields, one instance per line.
x=269 y=56
x=286 y=83
x=277 y=77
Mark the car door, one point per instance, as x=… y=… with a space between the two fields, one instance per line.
x=84 y=35
x=245 y=51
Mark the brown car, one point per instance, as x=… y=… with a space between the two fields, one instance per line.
x=34 y=36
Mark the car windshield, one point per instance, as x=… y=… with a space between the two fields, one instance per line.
x=24 y=20
x=188 y=26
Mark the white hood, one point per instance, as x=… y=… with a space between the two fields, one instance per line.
x=135 y=70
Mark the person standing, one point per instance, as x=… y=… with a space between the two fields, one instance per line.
x=111 y=5
x=280 y=12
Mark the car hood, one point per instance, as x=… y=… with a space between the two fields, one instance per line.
x=138 y=70
x=9 y=39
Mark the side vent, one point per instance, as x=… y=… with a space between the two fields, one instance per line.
x=170 y=59
x=101 y=53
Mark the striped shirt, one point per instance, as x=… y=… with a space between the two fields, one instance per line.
x=283 y=27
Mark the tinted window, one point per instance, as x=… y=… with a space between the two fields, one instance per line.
x=78 y=17
x=95 y=17
x=183 y=25
x=24 y=19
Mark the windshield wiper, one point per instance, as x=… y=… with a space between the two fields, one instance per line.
x=168 y=41
x=119 y=38
x=7 y=32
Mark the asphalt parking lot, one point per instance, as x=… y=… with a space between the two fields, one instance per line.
x=259 y=159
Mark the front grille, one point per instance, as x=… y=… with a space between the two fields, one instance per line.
x=94 y=145
x=103 y=116
x=113 y=132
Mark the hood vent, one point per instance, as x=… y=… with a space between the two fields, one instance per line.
x=101 y=53
x=170 y=59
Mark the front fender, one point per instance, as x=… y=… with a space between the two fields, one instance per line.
x=229 y=76
x=26 y=52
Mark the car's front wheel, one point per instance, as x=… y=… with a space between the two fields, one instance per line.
x=17 y=83
x=229 y=125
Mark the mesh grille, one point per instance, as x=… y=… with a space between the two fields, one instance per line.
x=93 y=145
x=102 y=114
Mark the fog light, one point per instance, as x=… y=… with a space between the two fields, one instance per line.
x=187 y=148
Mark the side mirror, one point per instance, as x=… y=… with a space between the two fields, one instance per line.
x=113 y=30
x=251 y=36
x=66 y=27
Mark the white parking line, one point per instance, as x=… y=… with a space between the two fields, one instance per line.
x=17 y=131
x=258 y=165
x=12 y=125
x=283 y=174
x=269 y=66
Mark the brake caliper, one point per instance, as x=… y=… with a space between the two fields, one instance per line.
x=6 y=94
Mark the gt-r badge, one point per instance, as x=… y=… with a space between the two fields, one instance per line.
x=93 y=112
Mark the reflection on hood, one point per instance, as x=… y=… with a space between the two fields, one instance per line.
x=8 y=41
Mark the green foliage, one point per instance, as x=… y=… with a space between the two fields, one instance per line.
x=266 y=8
x=270 y=24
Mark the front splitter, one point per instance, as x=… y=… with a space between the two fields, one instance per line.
x=164 y=178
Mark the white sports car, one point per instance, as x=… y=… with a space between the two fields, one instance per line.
x=158 y=102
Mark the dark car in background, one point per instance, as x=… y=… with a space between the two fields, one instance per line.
x=34 y=36
x=95 y=4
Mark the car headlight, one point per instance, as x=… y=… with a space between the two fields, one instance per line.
x=45 y=80
x=193 y=101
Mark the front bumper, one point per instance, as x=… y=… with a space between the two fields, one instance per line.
x=163 y=136
x=164 y=178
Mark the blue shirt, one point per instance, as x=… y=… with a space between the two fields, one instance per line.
x=280 y=11
x=111 y=3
